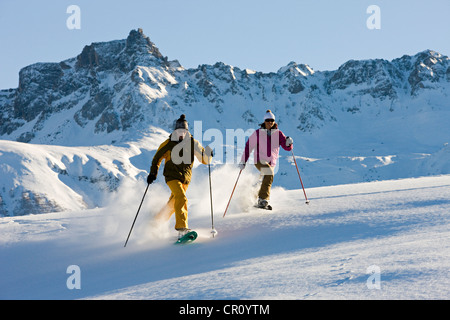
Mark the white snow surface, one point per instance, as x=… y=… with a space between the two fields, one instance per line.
x=325 y=250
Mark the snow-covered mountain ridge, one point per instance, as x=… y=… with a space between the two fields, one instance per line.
x=126 y=85
x=90 y=121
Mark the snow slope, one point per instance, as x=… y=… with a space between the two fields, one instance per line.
x=44 y=178
x=322 y=251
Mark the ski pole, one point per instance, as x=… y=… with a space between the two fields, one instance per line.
x=293 y=156
x=232 y=194
x=213 y=230
x=136 y=215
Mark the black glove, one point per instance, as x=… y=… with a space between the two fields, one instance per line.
x=209 y=152
x=151 y=178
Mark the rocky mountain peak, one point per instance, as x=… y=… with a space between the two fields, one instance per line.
x=427 y=68
x=136 y=49
x=88 y=57
x=138 y=43
x=296 y=69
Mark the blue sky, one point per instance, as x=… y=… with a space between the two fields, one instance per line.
x=256 y=34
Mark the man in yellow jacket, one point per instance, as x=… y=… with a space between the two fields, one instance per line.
x=178 y=152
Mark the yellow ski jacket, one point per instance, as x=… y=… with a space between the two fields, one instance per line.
x=179 y=158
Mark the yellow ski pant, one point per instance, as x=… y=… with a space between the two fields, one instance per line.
x=177 y=204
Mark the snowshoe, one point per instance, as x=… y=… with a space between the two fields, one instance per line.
x=268 y=207
x=186 y=236
x=263 y=204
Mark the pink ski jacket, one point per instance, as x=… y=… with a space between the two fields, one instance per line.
x=266 y=144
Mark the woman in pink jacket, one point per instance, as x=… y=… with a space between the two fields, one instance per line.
x=266 y=142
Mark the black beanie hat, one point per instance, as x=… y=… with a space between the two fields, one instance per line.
x=181 y=123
